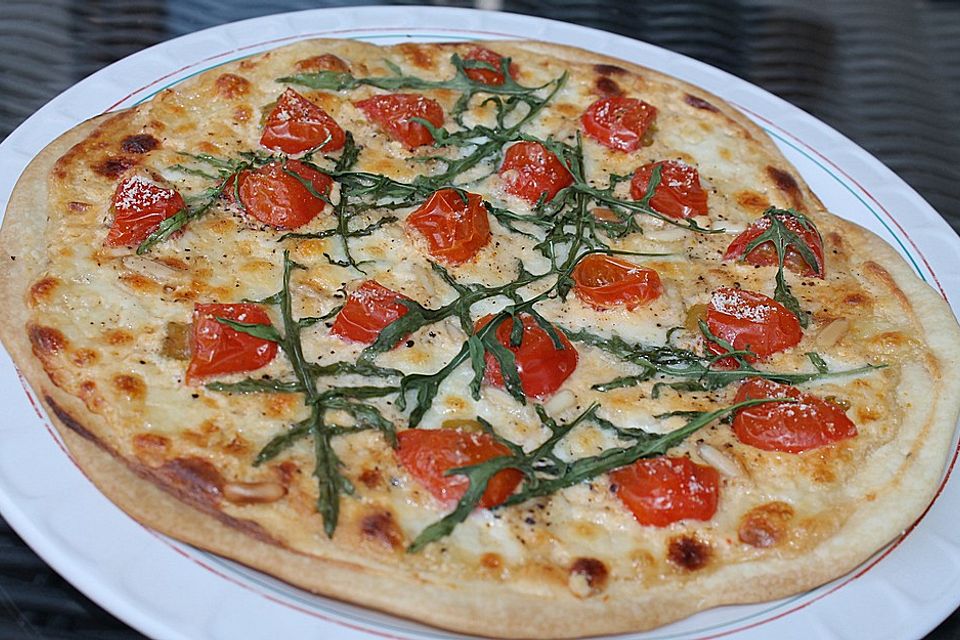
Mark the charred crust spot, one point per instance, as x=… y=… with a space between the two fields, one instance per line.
x=687 y=552
x=286 y=471
x=230 y=85
x=418 y=55
x=139 y=143
x=699 y=103
x=381 y=528
x=83 y=357
x=238 y=446
x=609 y=70
x=371 y=478
x=132 y=386
x=113 y=167
x=118 y=336
x=491 y=560
x=752 y=201
x=68 y=420
x=152 y=448
x=242 y=113
x=325 y=62
x=46 y=341
x=193 y=479
x=139 y=283
x=41 y=289
x=766 y=525
x=278 y=405
x=593 y=570
x=607 y=87
x=786 y=183
x=856 y=299
x=91 y=396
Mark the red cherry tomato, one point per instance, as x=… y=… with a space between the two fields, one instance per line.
x=393 y=112
x=541 y=366
x=606 y=282
x=792 y=427
x=661 y=491
x=368 y=310
x=618 y=122
x=297 y=125
x=455 y=229
x=487 y=76
x=219 y=349
x=678 y=194
x=766 y=255
x=531 y=170
x=138 y=209
x=427 y=454
x=752 y=321
x=275 y=197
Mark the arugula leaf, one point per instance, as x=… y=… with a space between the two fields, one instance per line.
x=782 y=238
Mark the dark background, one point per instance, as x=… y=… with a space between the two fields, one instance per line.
x=886 y=73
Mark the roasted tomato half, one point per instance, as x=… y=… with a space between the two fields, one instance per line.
x=661 y=491
x=219 y=349
x=530 y=171
x=296 y=125
x=542 y=367
x=605 y=282
x=276 y=193
x=677 y=195
x=808 y=423
x=139 y=207
x=618 y=122
x=454 y=224
x=368 y=311
x=765 y=254
x=751 y=321
x=487 y=76
x=427 y=454
x=393 y=113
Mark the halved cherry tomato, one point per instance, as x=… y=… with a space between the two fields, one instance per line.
x=455 y=228
x=618 y=122
x=492 y=58
x=275 y=197
x=368 y=310
x=296 y=125
x=678 y=194
x=427 y=454
x=792 y=427
x=393 y=112
x=218 y=349
x=661 y=491
x=766 y=255
x=541 y=366
x=752 y=321
x=139 y=207
x=606 y=282
x=531 y=170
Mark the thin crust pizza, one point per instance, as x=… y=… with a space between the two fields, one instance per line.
x=465 y=331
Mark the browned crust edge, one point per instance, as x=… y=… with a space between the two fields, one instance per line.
x=477 y=607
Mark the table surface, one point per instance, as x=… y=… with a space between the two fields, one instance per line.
x=886 y=73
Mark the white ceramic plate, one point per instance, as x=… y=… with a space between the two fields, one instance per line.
x=170 y=590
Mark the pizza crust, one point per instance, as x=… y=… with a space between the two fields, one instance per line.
x=914 y=461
